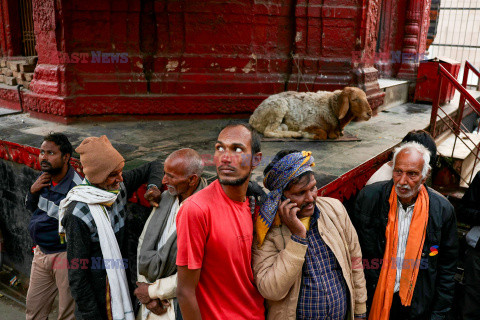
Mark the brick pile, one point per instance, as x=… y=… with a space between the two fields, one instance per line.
x=19 y=71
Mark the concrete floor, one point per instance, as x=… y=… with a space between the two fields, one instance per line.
x=145 y=140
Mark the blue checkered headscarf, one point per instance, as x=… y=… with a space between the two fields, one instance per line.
x=285 y=170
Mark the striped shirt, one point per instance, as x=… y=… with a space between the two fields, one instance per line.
x=404 y=219
x=323 y=293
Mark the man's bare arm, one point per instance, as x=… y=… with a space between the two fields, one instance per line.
x=187 y=284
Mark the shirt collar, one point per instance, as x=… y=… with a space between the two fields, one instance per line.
x=315 y=216
x=64 y=185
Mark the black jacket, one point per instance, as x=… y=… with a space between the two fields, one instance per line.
x=43 y=226
x=87 y=276
x=433 y=294
x=469 y=210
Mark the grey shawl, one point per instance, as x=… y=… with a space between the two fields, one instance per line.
x=155 y=264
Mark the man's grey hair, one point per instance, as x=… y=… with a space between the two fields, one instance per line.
x=192 y=159
x=420 y=149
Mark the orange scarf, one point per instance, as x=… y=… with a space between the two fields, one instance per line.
x=382 y=300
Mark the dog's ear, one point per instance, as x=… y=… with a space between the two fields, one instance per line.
x=344 y=104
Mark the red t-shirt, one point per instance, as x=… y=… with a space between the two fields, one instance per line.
x=215 y=234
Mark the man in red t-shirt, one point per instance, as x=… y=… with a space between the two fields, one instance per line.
x=215 y=233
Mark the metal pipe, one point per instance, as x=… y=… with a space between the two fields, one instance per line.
x=20 y=95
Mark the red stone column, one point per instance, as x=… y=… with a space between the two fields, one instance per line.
x=414 y=41
x=49 y=85
x=363 y=59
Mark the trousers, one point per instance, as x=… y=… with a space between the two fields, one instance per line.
x=471 y=309
x=49 y=276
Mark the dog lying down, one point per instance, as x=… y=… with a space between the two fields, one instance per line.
x=313 y=115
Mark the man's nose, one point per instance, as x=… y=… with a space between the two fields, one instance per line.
x=309 y=197
x=226 y=157
x=403 y=179
x=120 y=177
x=164 y=180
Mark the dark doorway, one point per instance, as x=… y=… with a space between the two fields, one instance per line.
x=28 y=35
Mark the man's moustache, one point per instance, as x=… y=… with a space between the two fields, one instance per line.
x=46 y=162
x=305 y=205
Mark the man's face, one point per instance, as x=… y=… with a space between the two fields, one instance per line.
x=176 y=178
x=233 y=155
x=407 y=175
x=113 y=180
x=51 y=158
x=304 y=194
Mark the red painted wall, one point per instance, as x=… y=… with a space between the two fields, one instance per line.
x=189 y=56
x=10 y=29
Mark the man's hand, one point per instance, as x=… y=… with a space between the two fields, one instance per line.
x=43 y=181
x=158 y=307
x=142 y=292
x=153 y=196
x=288 y=214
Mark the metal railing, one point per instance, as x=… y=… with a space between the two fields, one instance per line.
x=456 y=125
x=457 y=35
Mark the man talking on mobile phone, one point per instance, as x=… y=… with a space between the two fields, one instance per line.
x=307 y=258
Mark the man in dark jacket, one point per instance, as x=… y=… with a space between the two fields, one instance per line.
x=469 y=213
x=407 y=232
x=94 y=221
x=43 y=198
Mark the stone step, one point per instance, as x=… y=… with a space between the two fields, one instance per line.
x=27 y=68
x=31 y=60
x=7 y=72
x=11 y=81
x=396 y=93
x=462 y=151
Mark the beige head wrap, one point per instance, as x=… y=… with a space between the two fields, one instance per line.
x=99 y=158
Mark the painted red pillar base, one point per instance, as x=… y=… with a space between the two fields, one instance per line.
x=367 y=79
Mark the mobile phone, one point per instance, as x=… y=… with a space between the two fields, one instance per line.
x=283 y=198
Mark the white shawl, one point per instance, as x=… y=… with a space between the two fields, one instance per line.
x=96 y=199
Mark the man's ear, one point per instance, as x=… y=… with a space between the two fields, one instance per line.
x=256 y=159
x=193 y=179
x=428 y=175
x=66 y=157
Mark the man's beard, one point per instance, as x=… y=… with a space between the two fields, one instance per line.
x=411 y=191
x=236 y=182
x=172 y=191
x=51 y=170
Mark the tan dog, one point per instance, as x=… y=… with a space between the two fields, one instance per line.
x=314 y=115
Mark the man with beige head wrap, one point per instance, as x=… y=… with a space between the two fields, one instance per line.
x=94 y=217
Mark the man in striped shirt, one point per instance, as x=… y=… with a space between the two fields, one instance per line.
x=43 y=198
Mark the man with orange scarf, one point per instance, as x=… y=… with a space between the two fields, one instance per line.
x=407 y=232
